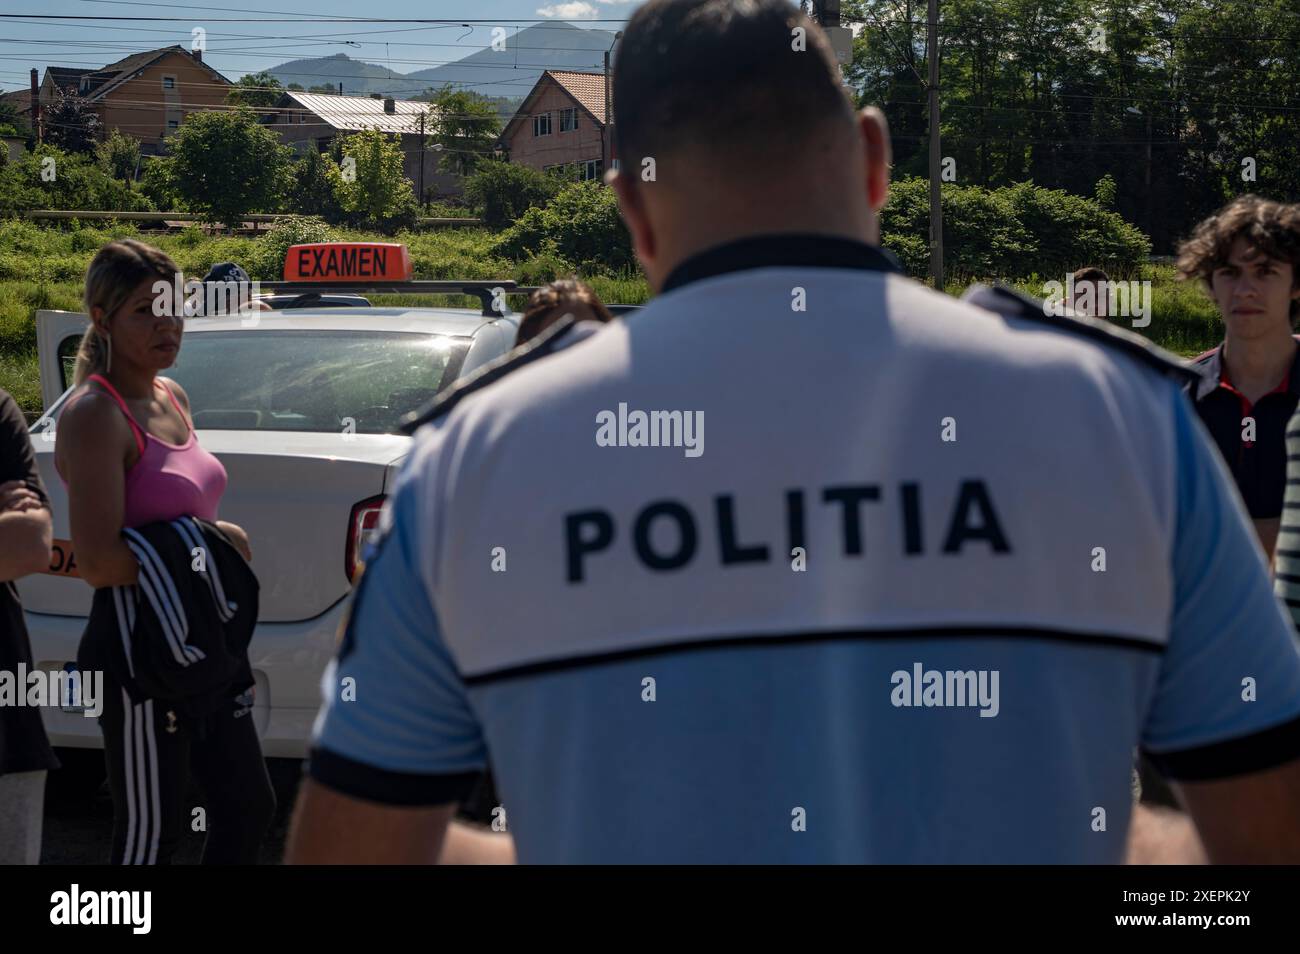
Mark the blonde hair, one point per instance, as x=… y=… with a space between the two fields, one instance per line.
x=114 y=273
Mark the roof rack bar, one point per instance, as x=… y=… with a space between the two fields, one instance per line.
x=485 y=290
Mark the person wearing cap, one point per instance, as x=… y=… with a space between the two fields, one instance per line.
x=1247 y=255
x=927 y=577
x=226 y=283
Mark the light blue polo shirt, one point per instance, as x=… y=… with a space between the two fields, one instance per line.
x=903 y=580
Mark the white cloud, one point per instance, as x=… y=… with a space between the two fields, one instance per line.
x=568 y=11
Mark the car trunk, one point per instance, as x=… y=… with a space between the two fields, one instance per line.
x=292 y=493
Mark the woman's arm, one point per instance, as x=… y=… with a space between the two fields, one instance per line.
x=93 y=441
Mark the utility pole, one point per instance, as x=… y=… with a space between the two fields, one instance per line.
x=605 y=133
x=421 y=203
x=936 y=206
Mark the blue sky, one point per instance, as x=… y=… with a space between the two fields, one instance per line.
x=236 y=48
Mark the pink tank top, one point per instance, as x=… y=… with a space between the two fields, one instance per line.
x=168 y=480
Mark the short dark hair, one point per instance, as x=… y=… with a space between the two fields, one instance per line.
x=723 y=75
x=1090 y=273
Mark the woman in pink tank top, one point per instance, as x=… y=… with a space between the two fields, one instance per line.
x=127 y=451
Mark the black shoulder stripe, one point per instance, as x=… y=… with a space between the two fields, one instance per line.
x=493 y=371
x=1012 y=303
x=1257 y=752
x=359 y=780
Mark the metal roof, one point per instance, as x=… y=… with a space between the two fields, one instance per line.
x=355 y=113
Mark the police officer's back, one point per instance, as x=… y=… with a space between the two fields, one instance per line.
x=804 y=562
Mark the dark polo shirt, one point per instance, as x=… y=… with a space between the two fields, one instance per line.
x=1259 y=466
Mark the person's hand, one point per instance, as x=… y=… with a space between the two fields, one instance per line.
x=238 y=537
x=16 y=496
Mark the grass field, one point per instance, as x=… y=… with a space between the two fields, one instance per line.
x=43 y=267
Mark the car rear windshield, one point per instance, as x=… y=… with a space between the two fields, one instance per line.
x=347 y=381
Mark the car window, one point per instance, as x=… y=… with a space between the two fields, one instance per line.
x=313 y=380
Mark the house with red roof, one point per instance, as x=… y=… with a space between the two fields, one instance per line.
x=562 y=122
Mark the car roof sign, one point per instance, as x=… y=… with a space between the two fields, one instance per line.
x=352 y=262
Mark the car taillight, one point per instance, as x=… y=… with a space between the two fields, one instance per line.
x=361 y=524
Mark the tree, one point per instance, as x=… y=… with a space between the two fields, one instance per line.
x=257 y=90
x=227 y=164
x=371 y=183
x=159 y=185
x=466 y=125
x=51 y=178
x=324 y=88
x=119 y=155
x=71 y=124
x=581 y=224
x=12 y=122
x=500 y=192
x=295 y=88
x=315 y=186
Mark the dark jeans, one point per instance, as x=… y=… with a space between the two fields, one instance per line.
x=151 y=752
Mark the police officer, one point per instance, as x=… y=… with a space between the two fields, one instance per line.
x=804 y=562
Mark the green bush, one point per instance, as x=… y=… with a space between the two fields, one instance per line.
x=1009 y=233
x=77 y=182
x=267 y=261
x=158 y=184
x=1070 y=231
x=190 y=237
x=448 y=208
x=546 y=266
x=500 y=192
x=119 y=155
x=581 y=221
x=316 y=178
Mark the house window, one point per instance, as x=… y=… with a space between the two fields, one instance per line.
x=173 y=124
x=568 y=119
x=542 y=125
x=169 y=82
x=592 y=169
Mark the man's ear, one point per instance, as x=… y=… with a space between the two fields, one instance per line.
x=631 y=203
x=874 y=130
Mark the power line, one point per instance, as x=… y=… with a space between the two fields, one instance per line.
x=497 y=22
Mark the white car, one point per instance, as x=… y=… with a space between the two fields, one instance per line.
x=302 y=410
